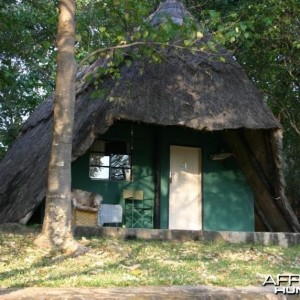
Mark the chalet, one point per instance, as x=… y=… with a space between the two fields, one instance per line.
x=187 y=143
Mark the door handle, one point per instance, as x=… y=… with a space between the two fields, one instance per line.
x=170 y=177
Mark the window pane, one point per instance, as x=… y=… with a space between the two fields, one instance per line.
x=120 y=161
x=120 y=174
x=99 y=172
x=99 y=160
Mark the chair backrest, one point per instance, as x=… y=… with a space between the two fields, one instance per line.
x=133 y=194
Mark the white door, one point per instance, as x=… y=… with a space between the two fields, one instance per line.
x=185 y=205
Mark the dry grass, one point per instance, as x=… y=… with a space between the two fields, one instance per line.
x=137 y=263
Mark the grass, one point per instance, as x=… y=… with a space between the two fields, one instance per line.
x=112 y=263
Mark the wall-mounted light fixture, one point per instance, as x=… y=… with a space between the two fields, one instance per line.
x=221 y=156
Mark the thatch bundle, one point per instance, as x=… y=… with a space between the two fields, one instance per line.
x=188 y=89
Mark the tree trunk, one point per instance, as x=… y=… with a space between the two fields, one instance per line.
x=57 y=228
x=271 y=211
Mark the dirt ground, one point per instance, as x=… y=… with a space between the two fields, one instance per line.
x=172 y=292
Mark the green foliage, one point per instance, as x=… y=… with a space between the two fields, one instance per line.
x=101 y=24
x=271 y=56
x=120 y=25
x=26 y=61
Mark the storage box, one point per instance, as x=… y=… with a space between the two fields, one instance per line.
x=85 y=218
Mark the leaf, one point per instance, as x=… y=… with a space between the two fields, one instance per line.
x=243 y=26
x=268 y=20
x=102 y=29
x=153 y=35
x=46 y=44
x=155 y=58
x=121 y=38
x=98 y=94
x=89 y=77
x=145 y=34
x=214 y=14
x=246 y=35
x=78 y=37
x=128 y=62
x=222 y=59
x=199 y=35
x=296 y=44
x=137 y=35
x=187 y=42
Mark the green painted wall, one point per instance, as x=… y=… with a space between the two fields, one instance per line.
x=227 y=198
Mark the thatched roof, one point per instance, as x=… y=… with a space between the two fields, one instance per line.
x=194 y=90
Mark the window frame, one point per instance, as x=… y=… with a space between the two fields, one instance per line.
x=109 y=167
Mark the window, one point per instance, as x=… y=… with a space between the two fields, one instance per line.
x=110 y=160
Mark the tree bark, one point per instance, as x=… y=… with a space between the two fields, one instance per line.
x=57 y=228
